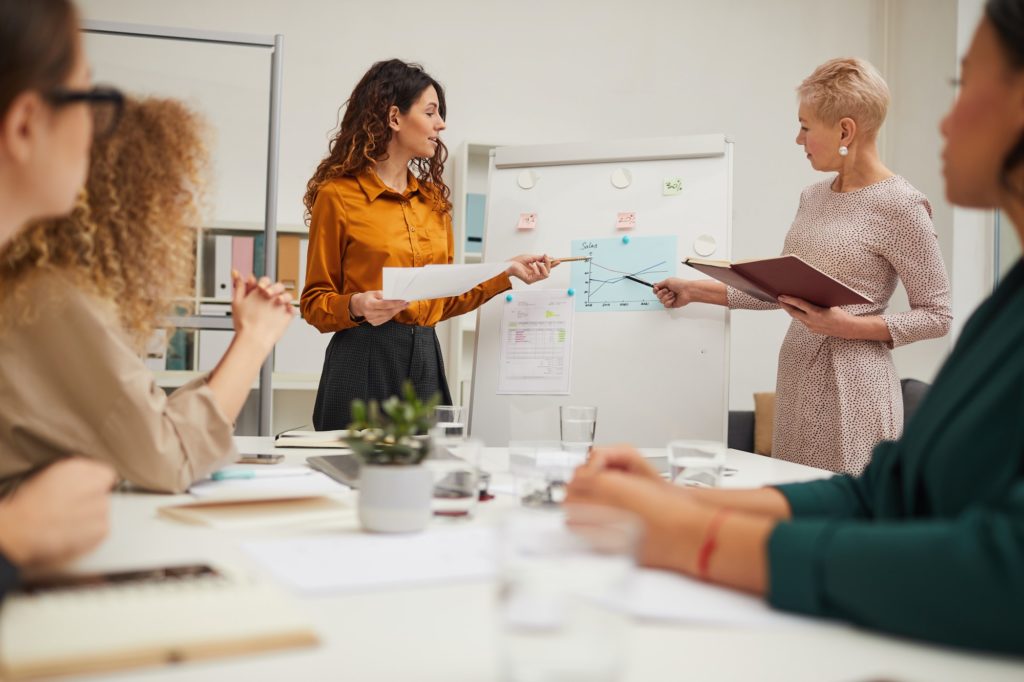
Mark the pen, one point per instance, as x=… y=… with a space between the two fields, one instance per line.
x=238 y=474
x=639 y=281
x=573 y=259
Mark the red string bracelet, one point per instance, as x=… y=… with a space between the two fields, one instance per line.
x=710 y=543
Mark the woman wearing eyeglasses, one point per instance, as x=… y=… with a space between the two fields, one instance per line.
x=61 y=511
x=85 y=294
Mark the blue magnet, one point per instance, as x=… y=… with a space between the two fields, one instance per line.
x=625 y=239
x=508 y=297
x=571 y=292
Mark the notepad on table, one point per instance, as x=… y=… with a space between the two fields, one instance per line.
x=768 y=278
x=95 y=623
x=304 y=512
x=311 y=439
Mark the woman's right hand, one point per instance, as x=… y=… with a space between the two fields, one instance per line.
x=674 y=292
x=261 y=310
x=374 y=307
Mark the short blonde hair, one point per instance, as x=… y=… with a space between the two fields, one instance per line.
x=847 y=87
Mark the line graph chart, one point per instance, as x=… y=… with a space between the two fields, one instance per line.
x=602 y=283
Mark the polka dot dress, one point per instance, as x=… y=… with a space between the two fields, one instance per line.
x=837 y=398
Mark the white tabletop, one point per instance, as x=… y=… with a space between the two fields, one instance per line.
x=446 y=633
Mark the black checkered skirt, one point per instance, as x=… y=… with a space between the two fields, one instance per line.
x=372 y=363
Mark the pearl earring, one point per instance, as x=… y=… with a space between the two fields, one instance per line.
x=844 y=150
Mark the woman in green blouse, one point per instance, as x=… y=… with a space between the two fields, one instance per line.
x=929 y=541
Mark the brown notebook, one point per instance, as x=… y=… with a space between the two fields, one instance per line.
x=768 y=278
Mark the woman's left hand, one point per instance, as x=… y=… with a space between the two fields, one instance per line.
x=824 y=321
x=530 y=268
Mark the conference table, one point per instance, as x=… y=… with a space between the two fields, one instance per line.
x=448 y=633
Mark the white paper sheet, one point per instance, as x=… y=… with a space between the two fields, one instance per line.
x=436 y=281
x=361 y=561
x=536 y=343
x=660 y=595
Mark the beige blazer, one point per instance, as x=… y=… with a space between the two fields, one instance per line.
x=70 y=383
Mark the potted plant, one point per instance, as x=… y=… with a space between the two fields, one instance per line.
x=391 y=442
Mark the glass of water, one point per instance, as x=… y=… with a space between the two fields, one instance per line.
x=455 y=463
x=451 y=419
x=562 y=574
x=696 y=462
x=578 y=424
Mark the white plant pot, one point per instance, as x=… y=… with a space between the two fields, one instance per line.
x=395 y=499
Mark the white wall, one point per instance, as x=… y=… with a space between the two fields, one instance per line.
x=919 y=74
x=543 y=71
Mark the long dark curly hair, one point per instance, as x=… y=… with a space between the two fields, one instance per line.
x=363 y=136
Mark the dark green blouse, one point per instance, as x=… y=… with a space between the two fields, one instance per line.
x=929 y=541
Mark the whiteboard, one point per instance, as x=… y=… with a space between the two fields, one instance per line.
x=654 y=374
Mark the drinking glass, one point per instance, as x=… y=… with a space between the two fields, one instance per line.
x=578 y=424
x=451 y=419
x=696 y=462
x=455 y=463
x=561 y=573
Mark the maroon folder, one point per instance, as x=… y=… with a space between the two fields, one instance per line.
x=768 y=278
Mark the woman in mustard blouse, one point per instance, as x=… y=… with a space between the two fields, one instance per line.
x=378 y=200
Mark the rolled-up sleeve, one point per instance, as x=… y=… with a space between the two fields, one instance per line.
x=322 y=302
x=913 y=250
x=165 y=443
x=80 y=388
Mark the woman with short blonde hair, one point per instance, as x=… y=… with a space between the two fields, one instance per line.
x=929 y=541
x=837 y=391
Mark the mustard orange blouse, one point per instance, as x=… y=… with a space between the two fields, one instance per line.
x=358 y=226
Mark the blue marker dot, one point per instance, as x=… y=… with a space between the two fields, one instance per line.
x=508 y=297
x=625 y=239
x=572 y=292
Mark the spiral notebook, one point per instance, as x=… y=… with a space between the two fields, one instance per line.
x=95 y=623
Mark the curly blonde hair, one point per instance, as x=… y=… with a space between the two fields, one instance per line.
x=131 y=238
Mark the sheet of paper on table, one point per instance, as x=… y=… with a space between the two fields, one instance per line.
x=665 y=596
x=436 y=281
x=361 y=561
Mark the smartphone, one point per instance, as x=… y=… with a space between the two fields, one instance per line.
x=260 y=459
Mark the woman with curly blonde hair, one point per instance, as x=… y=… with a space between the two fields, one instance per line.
x=378 y=200
x=86 y=293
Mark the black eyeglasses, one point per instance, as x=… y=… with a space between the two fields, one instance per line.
x=106 y=104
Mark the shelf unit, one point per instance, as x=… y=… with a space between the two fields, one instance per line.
x=275 y=44
x=472 y=161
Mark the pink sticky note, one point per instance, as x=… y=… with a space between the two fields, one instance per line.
x=626 y=221
x=527 y=221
